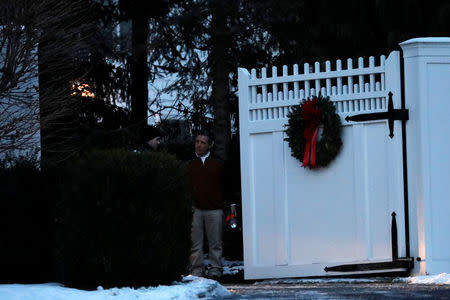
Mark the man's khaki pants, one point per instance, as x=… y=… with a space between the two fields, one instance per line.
x=209 y=221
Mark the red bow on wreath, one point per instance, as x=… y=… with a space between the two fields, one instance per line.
x=311 y=115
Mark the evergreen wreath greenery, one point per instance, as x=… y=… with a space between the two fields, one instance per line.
x=329 y=142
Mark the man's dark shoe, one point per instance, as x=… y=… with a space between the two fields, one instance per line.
x=215 y=277
x=197 y=272
x=214 y=274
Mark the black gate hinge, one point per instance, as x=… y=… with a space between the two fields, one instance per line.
x=391 y=115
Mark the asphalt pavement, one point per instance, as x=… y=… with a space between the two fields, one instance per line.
x=336 y=290
x=327 y=288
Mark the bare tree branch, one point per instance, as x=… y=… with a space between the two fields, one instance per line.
x=19 y=101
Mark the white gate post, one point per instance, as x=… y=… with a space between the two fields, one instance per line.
x=427 y=96
x=244 y=99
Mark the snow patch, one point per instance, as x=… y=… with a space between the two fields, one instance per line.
x=443 y=278
x=190 y=288
x=229 y=267
x=232 y=267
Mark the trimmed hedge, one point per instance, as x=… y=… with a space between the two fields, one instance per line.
x=123 y=218
x=25 y=224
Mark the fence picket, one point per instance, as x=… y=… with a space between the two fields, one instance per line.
x=264 y=86
x=367 y=101
x=372 y=81
x=351 y=103
x=317 y=81
x=280 y=109
x=253 y=76
x=275 y=85
x=307 y=87
x=339 y=79
x=378 y=100
x=361 y=84
x=350 y=78
x=285 y=85
x=383 y=63
x=361 y=77
x=372 y=76
x=270 y=99
x=328 y=80
x=260 y=111
x=253 y=97
x=296 y=83
x=334 y=90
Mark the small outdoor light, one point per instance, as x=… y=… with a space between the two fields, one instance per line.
x=231 y=218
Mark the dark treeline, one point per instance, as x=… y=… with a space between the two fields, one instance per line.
x=263 y=33
x=118 y=47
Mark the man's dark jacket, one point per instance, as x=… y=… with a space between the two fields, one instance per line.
x=206 y=183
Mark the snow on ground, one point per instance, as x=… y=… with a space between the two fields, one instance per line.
x=232 y=267
x=190 y=288
x=443 y=278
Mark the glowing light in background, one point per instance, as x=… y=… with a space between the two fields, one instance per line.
x=83 y=89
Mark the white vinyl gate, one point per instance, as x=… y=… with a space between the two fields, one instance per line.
x=297 y=221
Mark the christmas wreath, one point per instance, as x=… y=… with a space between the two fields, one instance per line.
x=314 y=132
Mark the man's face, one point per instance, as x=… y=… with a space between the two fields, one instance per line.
x=201 y=145
x=154 y=143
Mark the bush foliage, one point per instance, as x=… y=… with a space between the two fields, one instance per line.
x=25 y=224
x=111 y=218
x=123 y=219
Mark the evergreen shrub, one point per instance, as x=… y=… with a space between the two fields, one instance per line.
x=183 y=151
x=25 y=224
x=123 y=219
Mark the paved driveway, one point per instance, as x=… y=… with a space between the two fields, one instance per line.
x=338 y=291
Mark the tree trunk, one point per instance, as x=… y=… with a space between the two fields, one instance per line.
x=139 y=70
x=61 y=45
x=220 y=77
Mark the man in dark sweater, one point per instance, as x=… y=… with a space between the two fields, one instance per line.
x=206 y=184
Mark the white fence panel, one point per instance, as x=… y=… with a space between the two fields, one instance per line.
x=298 y=221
